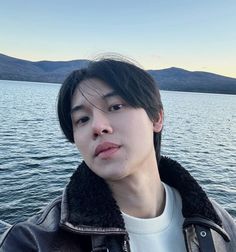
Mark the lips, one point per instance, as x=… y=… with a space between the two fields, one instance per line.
x=106 y=149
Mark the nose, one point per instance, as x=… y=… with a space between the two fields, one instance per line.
x=101 y=124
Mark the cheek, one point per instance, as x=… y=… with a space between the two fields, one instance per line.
x=78 y=142
x=82 y=144
x=78 y=133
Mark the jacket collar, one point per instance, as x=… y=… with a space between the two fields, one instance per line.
x=88 y=201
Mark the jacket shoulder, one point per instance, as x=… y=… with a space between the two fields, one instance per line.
x=228 y=223
x=49 y=214
x=22 y=234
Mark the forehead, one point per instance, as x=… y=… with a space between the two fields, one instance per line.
x=91 y=90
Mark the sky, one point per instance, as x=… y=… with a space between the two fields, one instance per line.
x=197 y=35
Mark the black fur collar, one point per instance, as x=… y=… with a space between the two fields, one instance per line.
x=91 y=203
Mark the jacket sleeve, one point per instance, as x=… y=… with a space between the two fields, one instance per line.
x=229 y=225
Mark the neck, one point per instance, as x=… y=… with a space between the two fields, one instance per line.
x=141 y=196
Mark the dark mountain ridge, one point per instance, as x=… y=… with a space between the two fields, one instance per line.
x=193 y=81
x=167 y=79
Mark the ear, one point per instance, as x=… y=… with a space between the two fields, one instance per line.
x=158 y=122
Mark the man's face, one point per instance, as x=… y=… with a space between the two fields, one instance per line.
x=114 y=139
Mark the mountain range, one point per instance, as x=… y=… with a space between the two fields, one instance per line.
x=173 y=78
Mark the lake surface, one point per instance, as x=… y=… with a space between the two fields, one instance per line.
x=36 y=161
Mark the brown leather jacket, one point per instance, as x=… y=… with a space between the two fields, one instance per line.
x=87 y=218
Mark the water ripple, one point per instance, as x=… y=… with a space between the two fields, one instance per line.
x=36 y=161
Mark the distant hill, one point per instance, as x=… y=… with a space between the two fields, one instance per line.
x=167 y=79
x=193 y=81
x=40 y=71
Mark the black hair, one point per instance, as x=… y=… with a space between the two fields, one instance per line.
x=132 y=83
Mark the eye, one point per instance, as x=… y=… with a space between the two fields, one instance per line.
x=82 y=120
x=116 y=107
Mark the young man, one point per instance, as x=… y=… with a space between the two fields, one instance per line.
x=124 y=196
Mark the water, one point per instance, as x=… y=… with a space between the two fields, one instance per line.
x=36 y=161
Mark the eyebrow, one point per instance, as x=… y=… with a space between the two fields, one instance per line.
x=104 y=97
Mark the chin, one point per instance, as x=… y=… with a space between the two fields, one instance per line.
x=113 y=171
x=115 y=177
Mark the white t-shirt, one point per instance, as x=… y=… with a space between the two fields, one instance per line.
x=163 y=233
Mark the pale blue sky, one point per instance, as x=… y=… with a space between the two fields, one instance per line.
x=190 y=34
